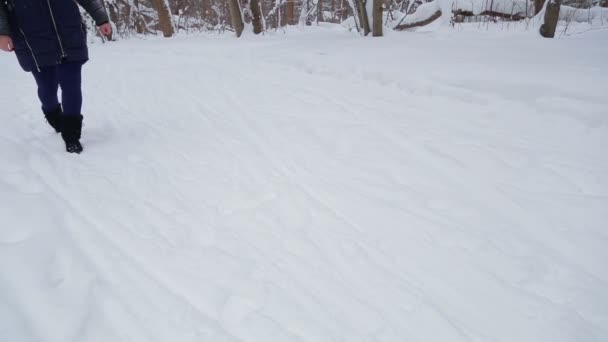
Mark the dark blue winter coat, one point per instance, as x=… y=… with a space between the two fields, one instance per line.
x=48 y=32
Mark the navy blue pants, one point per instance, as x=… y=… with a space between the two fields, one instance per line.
x=67 y=76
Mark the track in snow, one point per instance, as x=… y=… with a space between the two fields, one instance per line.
x=309 y=188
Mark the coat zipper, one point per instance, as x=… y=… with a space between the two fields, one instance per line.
x=63 y=54
x=31 y=50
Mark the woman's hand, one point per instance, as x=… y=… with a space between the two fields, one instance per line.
x=6 y=44
x=105 y=29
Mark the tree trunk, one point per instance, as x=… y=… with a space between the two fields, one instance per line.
x=291 y=8
x=236 y=16
x=363 y=18
x=320 y=11
x=377 y=23
x=164 y=17
x=256 y=14
x=547 y=29
x=538 y=5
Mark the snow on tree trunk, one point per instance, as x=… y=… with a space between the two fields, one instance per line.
x=354 y=5
x=236 y=16
x=164 y=17
x=377 y=20
x=305 y=12
x=256 y=16
x=362 y=9
x=445 y=11
x=547 y=29
x=538 y=6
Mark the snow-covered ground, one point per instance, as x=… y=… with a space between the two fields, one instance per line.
x=314 y=186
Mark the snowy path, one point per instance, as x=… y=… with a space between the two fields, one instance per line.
x=308 y=188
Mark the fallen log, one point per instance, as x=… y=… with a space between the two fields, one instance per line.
x=425 y=22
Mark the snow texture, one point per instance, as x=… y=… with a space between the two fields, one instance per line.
x=314 y=186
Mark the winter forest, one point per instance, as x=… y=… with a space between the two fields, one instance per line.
x=168 y=16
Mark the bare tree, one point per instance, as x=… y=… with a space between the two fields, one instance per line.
x=377 y=13
x=291 y=9
x=547 y=29
x=237 y=16
x=256 y=16
x=164 y=17
x=364 y=19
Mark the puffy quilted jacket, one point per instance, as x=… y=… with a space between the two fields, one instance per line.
x=48 y=32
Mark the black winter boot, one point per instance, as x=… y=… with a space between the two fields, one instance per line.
x=70 y=132
x=54 y=118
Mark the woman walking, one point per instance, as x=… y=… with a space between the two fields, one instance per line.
x=49 y=39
